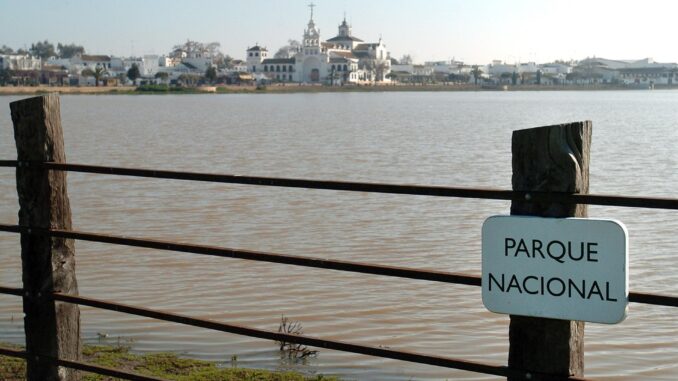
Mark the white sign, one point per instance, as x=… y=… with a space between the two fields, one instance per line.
x=560 y=268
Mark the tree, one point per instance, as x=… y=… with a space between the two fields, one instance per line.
x=5 y=76
x=189 y=79
x=97 y=73
x=379 y=69
x=288 y=51
x=162 y=75
x=6 y=50
x=392 y=76
x=44 y=50
x=133 y=73
x=223 y=61
x=211 y=74
x=198 y=49
x=70 y=50
x=458 y=78
x=212 y=49
x=476 y=73
x=406 y=60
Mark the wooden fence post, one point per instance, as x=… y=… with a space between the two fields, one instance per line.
x=52 y=328
x=549 y=159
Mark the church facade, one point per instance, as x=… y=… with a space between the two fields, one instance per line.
x=338 y=60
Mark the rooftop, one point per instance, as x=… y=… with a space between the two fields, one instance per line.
x=100 y=58
x=344 y=38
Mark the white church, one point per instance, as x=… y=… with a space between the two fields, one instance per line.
x=341 y=59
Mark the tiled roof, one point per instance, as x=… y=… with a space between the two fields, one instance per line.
x=343 y=54
x=257 y=48
x=345 y=38
x=87 y=57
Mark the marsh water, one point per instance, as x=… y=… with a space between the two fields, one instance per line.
x=452 y=138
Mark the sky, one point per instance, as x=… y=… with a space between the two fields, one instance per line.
x=473 y=31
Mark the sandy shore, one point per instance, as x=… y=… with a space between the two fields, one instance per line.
x=63 y=89
x=295 y=88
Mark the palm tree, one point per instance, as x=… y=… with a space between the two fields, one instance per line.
x=476 y=72
x=97 y=73
x=392 y=76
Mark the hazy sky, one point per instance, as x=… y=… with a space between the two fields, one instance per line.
x=475 y=31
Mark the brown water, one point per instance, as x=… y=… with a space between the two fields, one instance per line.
x=455 y=139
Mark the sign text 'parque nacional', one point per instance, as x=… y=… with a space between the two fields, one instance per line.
x=560 y=268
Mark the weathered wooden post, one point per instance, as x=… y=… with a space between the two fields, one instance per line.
x=549 y=159
x=52 y=328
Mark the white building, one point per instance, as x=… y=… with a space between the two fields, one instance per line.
x=83 y=61
x=556 y=68
x=497 y=68
x=149 y=65
x=19 y=62
x=341 y=59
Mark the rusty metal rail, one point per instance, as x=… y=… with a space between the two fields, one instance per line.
x=300 y=339
x=420 y=190
x=392 y=271
x=445 y=362
x=401 y=272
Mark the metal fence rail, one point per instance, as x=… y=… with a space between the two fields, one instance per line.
x=420 y=190
x=401 y=272
x=445 y=362
x=356 y=267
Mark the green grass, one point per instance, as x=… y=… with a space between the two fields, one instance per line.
x=162 y=365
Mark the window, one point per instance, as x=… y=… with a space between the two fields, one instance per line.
x=284 y=68
x=254 y=68
x=290 y=70
x=277 y=68
x=265 y=67
x=290 y=77
x=333 y=68
x=251 y=55
x=256 y=54
x=345 y=68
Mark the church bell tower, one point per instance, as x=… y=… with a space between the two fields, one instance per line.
x=311 y=41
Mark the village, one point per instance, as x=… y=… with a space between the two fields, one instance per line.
x=342 y=60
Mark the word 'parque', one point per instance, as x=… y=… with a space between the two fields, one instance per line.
x=556 y=250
